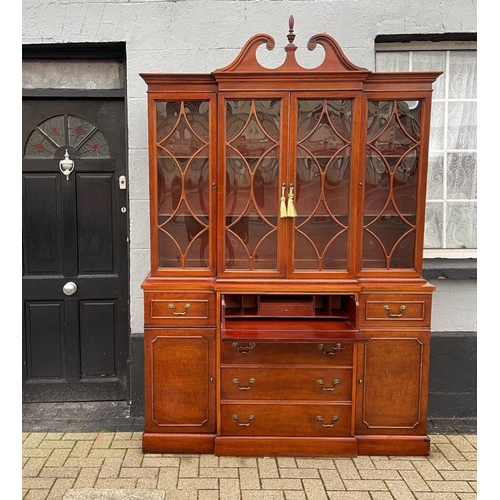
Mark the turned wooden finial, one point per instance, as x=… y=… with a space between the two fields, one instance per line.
x=291 y=35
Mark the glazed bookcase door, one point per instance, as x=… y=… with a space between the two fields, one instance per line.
x=394 y=175
x=254 y=151
x=183 y=221
x=321 y=175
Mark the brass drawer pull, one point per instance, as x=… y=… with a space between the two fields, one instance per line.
x=402 y=309
x=242 y=348
x=335 y=347
x=237 y=418
x=250 y=382
x=319 y=418
x=335 y=382
x=186 y=308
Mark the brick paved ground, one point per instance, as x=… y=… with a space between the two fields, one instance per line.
x=111 y=465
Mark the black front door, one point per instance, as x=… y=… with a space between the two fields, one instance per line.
x=75 y=251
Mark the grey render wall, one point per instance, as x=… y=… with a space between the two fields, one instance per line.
x=201 y=36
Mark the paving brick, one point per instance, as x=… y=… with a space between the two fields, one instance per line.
x=399 y=490
x=331 y=479
x=414 y=480
x=110 y=468
x=167 y=478
x=33 y=467
x=464 y=464
x=281 y=484
x=57 y=472
x=106 y=453
x=381 y=495
x=427 y=471
x=189 y=467
x=81 y=449
x=347 y=469
x=60 y=487
x=206 y=495
x=197 y=483
x=237 y=462
x=467 y=496
x=79 y=436
x=211 y=461
x=249 y=478
x=455 y=486
x=261 y=495
x=229 y=489
x=286 y=462
x=363 y=463
x=380 y=474
x=449 y=451
x=103 y=440
x=315 y=463
x=461 y=443
x=295 y=495
x=84 y=462
x=115 y=483
x=399 y=464
x=147 y=483
x=58 y=457
x=87 y=477
x=226 y=472
x=34 y=440
x=139 y=472
x=365 y=485
x=459 y=475
x=160 y=462
x=315 y=490
x=38 y=483
x=436 y=496
x=133 y=458
x=299 y=473
x=36 y=495
x=349 y=495
x=268 y=467
x=36 y=453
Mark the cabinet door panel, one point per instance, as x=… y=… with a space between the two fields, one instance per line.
x=180 y=380
x=392 y=398
x=254 y=152
x=183 y=161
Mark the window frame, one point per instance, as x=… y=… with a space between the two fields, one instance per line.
x=434 y=43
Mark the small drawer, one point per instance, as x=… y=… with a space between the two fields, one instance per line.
x=179 y=309
x=387 y=310
x=319 y=384
x=268 y=419
x=315 y=353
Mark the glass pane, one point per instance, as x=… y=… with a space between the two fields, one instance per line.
x=43 y=74
x=462 y=125
x=431 y=60
x=461 y=176
x=434 y=225
x=435 y=177
x=321 y=193
x=391 y=172
x=251 y=191
x=183 y=183
x=437 y=126
x=461 y=227
x=392 y=61
x=463 y=74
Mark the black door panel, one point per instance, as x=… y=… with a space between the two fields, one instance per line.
x=75 y=347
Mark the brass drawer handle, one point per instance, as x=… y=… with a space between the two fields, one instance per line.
x=319 y=418
x=335 y=382
x=237 y=418
x=247 y=388
x=186 y=308
x=242 y=348
x=402 y=309
x=335 y=347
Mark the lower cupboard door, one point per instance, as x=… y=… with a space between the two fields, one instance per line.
x=268 y=419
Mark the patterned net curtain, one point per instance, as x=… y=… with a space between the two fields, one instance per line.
x=451 y=212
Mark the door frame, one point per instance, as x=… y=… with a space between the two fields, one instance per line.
x=114 y=51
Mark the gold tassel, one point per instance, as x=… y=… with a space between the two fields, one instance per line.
x=283 y=204
x=291 y=212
